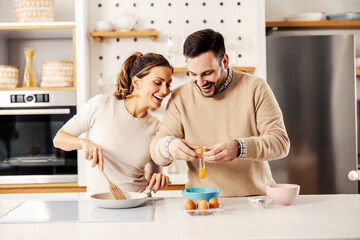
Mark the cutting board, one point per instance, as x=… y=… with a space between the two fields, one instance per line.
x=76 y=211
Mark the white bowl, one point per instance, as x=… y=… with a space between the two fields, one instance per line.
x=309 y=16
x=104 y=26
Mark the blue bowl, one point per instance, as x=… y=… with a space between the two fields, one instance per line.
x=196 y=193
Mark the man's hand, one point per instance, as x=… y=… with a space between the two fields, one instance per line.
x=222 y=152
x=181 y=150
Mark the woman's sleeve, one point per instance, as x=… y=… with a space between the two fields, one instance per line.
x=85 y=118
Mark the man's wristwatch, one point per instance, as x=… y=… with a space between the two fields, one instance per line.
x=167 y=147
x=242 y=148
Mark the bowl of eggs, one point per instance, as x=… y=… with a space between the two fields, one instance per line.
x=196 y=193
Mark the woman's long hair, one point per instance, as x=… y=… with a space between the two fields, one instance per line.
x=137 y=65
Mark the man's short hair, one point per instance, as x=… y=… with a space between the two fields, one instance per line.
x=203 y=41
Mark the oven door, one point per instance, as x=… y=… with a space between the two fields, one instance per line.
x=27 y=154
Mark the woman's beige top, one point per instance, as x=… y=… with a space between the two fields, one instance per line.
x=124 y=139
x=246 y=109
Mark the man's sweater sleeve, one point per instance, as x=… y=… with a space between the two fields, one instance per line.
x=272 y=141
x=170 y=127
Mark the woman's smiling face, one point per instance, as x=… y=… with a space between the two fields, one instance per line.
x=155 y=86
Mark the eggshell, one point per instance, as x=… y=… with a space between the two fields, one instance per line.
x=189 y=205
x=214 y=203
x=199 y=200
x=203 y=205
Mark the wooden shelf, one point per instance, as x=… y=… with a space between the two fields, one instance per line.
x=345 y=24
x=41 y=188
x=39 y=89
x=50 y=30
x=244 y=69
x=99 y=36
x=36 y=25
x=53 y=188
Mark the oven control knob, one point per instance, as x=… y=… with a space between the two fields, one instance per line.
x=30 y=98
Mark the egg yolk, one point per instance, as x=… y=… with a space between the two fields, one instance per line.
x=202 y=173
x=198 y=150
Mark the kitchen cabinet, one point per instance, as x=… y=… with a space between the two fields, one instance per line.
x=64 y=39
x=281 y=28
x=59 y=37
x=313 y=25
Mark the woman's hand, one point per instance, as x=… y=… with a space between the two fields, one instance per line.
x=158 y=181
x=92 y=153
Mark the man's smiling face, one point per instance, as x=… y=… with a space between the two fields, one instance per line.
x=207 y=72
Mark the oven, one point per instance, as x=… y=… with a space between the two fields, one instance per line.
x=29 y=121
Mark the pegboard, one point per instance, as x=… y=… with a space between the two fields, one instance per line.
x=237 y=20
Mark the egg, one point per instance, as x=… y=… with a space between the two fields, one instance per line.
x=189 y=205
x=203 y=205
x=214 y=203
x=197 y=203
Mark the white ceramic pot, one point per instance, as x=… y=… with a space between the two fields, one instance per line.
x=125 y=22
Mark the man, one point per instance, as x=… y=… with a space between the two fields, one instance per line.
x=232 y=114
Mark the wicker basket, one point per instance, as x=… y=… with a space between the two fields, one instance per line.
x=9 y=76
x=34 y=10
x=57 y=74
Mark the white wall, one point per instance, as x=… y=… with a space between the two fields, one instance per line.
x=251 y=29
x=241 y=18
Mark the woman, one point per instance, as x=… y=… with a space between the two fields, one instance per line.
x=120 y=128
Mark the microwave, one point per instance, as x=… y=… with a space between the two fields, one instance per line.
x=29 y=120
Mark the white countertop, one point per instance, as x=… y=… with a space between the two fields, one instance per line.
x=310 y=217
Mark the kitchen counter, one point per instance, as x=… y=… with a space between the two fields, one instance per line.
x=310 y=217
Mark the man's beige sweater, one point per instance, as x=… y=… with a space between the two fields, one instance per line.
x=248 y=110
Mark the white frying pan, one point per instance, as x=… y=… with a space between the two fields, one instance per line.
x=133 y=199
